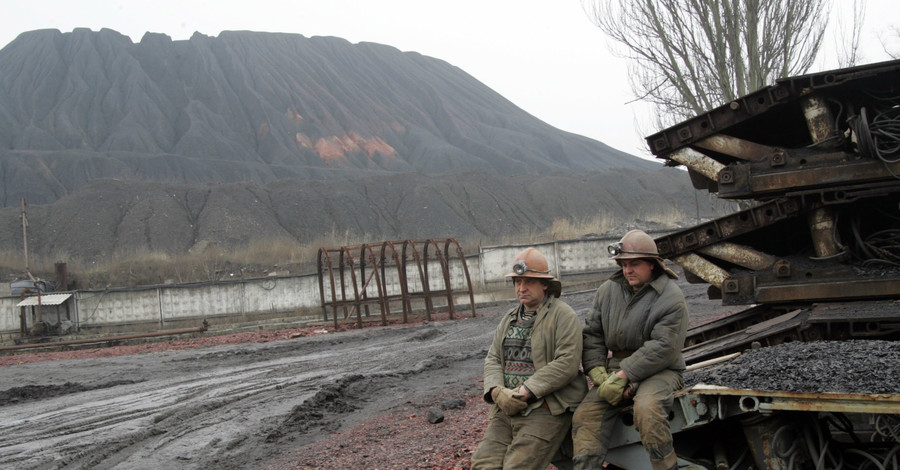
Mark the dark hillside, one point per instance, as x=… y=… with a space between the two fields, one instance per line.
x=120 y=146
x=255 y=107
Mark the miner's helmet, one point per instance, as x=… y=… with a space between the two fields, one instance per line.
x=638 y=244
x=532 y=263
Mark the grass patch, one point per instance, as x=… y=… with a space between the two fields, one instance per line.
x=262 y=257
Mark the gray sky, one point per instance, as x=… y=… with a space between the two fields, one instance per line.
x=543 y=55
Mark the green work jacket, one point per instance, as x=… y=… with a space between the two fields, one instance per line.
x=556 y=344
x=645 y=330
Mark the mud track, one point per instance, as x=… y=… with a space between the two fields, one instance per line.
x=233 y=406
x=225 y=407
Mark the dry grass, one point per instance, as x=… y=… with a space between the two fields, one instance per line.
x=259 y=258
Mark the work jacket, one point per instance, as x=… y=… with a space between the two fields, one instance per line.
x=644 y=330
x=556 y=344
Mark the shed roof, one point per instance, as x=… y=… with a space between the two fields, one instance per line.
x=46 y=299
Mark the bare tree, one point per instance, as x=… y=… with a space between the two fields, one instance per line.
x=689 y=56
x=847 y=37
x=891 y=44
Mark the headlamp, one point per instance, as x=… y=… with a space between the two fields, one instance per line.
x=520 y=268
x=615 y=249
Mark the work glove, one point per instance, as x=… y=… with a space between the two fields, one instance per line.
x=510 y=401
x=598 y=375
x=613 y=389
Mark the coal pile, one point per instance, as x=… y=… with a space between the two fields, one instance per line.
x=858 y=367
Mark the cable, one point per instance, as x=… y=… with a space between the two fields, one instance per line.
x=879 y=138
x=887 y=427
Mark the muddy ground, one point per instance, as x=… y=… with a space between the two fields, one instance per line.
x=239 y=406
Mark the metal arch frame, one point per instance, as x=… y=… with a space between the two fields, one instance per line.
x=465 y=266
x=367 y=256
x=445 y=270
x=401 y=273
x=445 y=264
x=335 y=303
x=423 y=275
x=379 y=283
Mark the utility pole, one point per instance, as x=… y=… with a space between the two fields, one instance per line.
x=25 y=238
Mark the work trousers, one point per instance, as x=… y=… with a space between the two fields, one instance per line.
x=521 y=442
x=595 y=418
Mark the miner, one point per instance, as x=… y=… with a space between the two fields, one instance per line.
x=633 y=339
x=531 y=374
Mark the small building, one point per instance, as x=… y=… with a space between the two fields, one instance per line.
x=49 y=314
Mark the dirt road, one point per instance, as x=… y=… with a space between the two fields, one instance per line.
x=234 y=406
x=230 y=406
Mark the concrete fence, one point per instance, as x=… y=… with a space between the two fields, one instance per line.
x=177 y=306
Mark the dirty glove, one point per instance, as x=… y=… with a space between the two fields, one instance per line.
x=613 y=389
x=510 y=401
x=598 y=375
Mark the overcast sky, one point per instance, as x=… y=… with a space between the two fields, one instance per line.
x=543 y=55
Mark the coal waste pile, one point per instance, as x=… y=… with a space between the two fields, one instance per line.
x=852 y=367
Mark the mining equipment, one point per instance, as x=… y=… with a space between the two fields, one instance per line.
x=812 y=257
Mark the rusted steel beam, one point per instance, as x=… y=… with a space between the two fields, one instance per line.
x=745 y=181
x=723 y=117
x=846 y=289
x=877 y=403
x=789 y=326
x=726 y=227
x=783 y=95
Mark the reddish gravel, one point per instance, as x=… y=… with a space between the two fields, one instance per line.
x=402 y=440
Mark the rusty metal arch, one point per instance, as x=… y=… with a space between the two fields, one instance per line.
x=423 y=251
x=465 y=267
x=401 y=276
x=376 y=267
x=344 y=252
x=323 y=257
x=423 y=276
x=445 y=270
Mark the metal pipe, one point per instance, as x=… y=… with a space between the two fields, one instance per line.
x=103 y=340
x=737 y=148
x=703 y=268
x=820 y=122
x=698 y=162
x=821 y=227
x=740 y=255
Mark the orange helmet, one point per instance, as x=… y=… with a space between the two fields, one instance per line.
x=635 y=244
x=531 y=263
